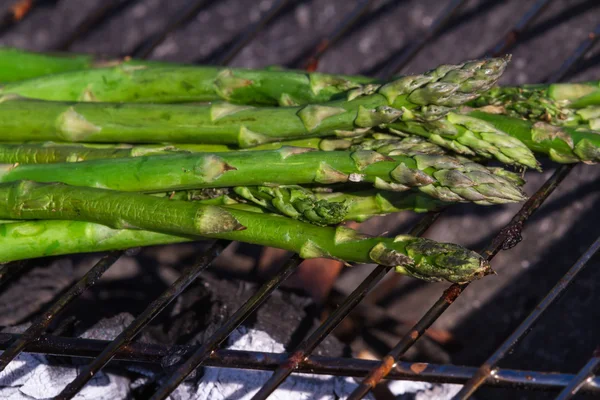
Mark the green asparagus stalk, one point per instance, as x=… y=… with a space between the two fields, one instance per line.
x=164 y=83
x=316 y=207
x=34 y=239
x=50 y=152
x=443 y=177
x=566 y=104
x=470 y=136
x=417 y=257
x=562 y=144
x=331 y=208
x=18 y=64
x=413 y=97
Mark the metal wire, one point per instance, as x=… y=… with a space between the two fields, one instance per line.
x=182 y=17
x=396 y=64
x=579 y=53
x=205 y=351
x=304 y=349
x=250 y=33
x=310 y=63
x=105 y=10
x=507 y=238
x=488 y=367
x=513 y=35
x=41 y=324
x=151 y=355
x=585 y=375
x=11 y=270
x=188 y=276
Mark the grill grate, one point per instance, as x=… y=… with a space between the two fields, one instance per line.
x=300 y=359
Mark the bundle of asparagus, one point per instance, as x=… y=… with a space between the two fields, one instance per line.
x=275 y=158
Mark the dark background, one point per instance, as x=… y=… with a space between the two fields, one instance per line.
x=490 y=309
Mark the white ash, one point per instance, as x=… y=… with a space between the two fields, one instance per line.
x=32 y=376
x=407 y=390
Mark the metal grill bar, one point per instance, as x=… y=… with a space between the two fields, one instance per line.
x=183 y=16
x=507 y=238
x=304 y=349
x=41 y=324
x=311 y=62
x=250 y=33
x=92 y=21
x=187 y=277
x=153 y=354
x=579 y=53
x=16 y=12
x=10 y=270
x=397 y=63
x=511 y=37
x=205 y=351
x=488 y=367
x=585 y=375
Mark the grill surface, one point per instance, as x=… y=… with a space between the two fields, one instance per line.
x=550 y=41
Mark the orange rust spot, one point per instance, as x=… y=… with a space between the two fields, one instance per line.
x=312 y=64
x=414 y=335
x=452 y=293
x=417 y=368
x=294 y=360
x=381 y=372
x=21 y=8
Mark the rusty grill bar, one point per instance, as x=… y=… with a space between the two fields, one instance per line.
x=300 y=360
x=152 y=355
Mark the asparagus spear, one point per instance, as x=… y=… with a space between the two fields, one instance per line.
x=443 y=177
x=470 y=136
x=562 y=144
x=418 y=257
x=164 y=83
x=316 y=207
x=331 y=208
x=33 y=239
x=571 y=104
x=49 y=152
x=413 y=97
x=18 y=64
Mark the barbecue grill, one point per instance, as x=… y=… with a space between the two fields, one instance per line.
x=343 y=34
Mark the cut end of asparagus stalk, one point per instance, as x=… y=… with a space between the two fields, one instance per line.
x=431 y=261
